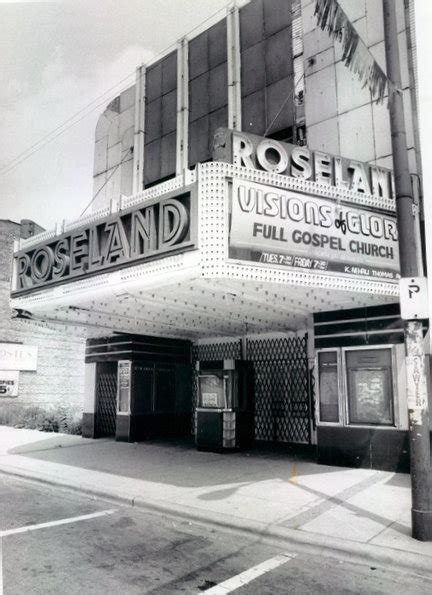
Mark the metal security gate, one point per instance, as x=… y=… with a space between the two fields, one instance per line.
x=282 y=389
x=282 y=386
x=106 y=399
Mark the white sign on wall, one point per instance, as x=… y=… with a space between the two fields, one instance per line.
x=272 y=226
x=15 y=356
x=8 y=383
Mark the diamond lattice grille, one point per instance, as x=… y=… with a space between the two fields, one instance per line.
x=282 y=410
x=106 y=404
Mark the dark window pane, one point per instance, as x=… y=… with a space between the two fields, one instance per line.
x=218 y=89
x=152 y=162
x=251 y=24
x=198 y=55
x=199 y=141
x=369 y=380
x=253 y=113
x=169 y=73
x=199 y=97
x=277 y=15
x=253 y=75
x=143 y=388
x=153 y=121
x=280 y=111
x=217 y=44
x=328 y=386
x=169 y=112
x=218 y=119
x=165 y=391
x=278 y=56
x=168 y=148
x=154 y=81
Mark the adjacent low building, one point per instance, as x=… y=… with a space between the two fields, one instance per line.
x=40 y=365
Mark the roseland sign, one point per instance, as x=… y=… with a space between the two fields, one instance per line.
x=255 y=152
x=279 y=227
x=148 y=231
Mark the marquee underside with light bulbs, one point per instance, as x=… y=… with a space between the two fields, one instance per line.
x=255 y=241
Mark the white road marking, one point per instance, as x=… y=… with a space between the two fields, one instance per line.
x=84 y=517
x=249 y=575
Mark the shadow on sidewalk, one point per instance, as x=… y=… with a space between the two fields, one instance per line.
x=177 y=462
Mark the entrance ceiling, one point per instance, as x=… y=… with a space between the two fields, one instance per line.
x=202 y=308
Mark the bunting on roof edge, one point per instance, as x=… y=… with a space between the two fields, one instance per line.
x=355 y=54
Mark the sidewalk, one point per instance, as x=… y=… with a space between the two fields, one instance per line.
x=354 y=512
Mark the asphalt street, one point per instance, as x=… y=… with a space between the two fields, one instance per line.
x=60 y=542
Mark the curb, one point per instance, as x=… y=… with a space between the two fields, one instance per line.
x=375 y=555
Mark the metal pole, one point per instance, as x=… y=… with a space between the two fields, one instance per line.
x=419 y=437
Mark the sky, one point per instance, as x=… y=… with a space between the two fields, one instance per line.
x=56 y=58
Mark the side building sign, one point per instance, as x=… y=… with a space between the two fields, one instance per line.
x=15 y=357
x=148 y=231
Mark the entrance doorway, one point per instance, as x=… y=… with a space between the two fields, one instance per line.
x=282 y=388
x=106 y=399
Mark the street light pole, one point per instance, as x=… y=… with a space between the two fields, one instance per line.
x=417 y=399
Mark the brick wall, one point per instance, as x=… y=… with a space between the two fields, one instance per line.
x=59 y=379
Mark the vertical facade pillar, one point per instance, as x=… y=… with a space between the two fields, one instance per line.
x=138 y=154
x=234 y=80
x=182 y=149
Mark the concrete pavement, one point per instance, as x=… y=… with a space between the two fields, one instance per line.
x=356 y=513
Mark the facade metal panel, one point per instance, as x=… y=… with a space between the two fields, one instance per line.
x=217 y=119
x=154 y=82
x=217 y=44
x=279 y=108
x=152 y=163
x=253 y=76
x=198 y=55
x=168 y=152
x=199 y=97
x=169 y=73
x=278 y=56
x=169 y=112
x=198 y=140
x=277 y=15
x=253 y=113
x=218 y=87
x=251 y=24
x=153 y=120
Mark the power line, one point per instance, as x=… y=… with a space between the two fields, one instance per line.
x=289 y=96
x=64 y=123
x=49 y=140
x=60 y=129
x=106 y=181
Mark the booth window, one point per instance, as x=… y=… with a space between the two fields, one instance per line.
x=369 y=387
x=359 y=392
x=328 y=386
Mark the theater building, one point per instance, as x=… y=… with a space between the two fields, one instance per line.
x=243 y=221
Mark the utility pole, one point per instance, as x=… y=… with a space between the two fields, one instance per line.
x=417 y=398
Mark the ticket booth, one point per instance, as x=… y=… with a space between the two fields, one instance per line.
x=225 y=412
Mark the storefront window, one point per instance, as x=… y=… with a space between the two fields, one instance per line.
x=328 y=386
x=369 y=384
